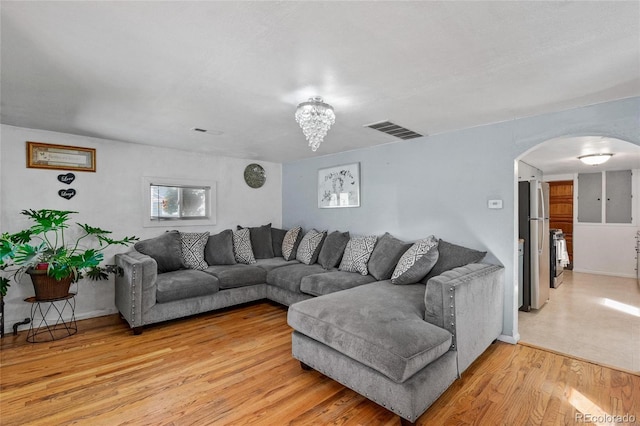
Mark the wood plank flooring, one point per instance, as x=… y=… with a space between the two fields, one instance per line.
x=234 y=367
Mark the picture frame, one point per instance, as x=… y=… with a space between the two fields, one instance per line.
x=339 y=186
x=60 y=157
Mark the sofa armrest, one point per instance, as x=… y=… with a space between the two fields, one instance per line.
x=136 y=286
x=468 y=302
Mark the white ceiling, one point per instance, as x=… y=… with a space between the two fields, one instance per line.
x=560 y=156
x=149 y=72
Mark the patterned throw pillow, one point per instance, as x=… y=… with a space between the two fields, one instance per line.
x=193 y=244
x=242 y=246
x=310 y=246
x=289 y=245
x=357 y=254
x=416 y=262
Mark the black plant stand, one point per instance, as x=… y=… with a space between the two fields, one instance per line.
x=45 y=329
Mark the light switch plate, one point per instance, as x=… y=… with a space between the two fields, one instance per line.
x=495 y=204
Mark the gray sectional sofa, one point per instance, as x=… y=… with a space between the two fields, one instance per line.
x=397 y=322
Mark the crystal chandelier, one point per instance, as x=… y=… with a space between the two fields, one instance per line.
x=315 y=118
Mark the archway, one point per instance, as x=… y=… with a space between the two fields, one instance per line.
x=557 y=159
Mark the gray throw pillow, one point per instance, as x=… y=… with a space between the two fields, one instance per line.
x=333 y=249
x=416 y=262
x=385 y=256
x=193 y=244
x=261 y=242
x=310 y=247
x=277 y=236
x=453 y=256
x=290 y=243
x=357 y=254
x=219 y=249
x=165 y=249
x=242 y=247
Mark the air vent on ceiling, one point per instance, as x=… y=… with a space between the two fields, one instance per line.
x=394 y=130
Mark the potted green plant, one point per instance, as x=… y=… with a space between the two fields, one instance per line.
x=51 y=257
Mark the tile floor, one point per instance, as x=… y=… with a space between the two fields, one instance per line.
x=593 y=317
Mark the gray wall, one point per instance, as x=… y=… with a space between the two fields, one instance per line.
x=441 y=184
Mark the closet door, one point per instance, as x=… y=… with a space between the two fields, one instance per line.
x=590 y=198
x=618 y=193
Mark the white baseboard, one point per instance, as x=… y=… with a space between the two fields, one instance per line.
x=8 y=323
x=94 y=314
x=611 y=274
x=509 y=339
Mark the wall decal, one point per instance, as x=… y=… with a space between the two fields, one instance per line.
x=68 y=178
x=67 y=193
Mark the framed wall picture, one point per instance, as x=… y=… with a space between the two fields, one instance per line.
x=339 y=186
x=60 y=157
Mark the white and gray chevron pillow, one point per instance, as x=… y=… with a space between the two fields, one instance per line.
x=416 y=262
x=242 y=246
x=192 y=245
x=289 y=243
x=309 y=246
x=357 y=254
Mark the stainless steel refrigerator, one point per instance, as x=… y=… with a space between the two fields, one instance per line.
x=533 y=214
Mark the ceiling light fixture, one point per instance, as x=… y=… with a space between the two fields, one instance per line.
x=315 y=118
x=595 y=159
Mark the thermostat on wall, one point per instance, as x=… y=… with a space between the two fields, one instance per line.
x=495 y=204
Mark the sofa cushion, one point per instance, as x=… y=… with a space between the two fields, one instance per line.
x=219 y=249
x=416 y=262
x=333 y=249
x=453 y=256
x=242 y=248
x=385 y=256
x=277 y=236
x=289 y=277
x=357 y=254
x=178 y=285
x=310 y=246
x=273 y=263
x=388 y=333
x=290 y=243
x=238 y=275
x=261 y=241
x=330 y=282
x=193 y=244
x=165 y=249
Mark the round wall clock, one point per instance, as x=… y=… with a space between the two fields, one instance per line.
x=254 y=175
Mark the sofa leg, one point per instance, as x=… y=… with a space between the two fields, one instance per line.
x=305 y=366
x=405 y=422
x=137 y=330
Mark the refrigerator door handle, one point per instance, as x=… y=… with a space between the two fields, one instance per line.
x=541 y=205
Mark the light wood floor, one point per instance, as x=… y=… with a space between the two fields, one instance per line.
x=235 y=367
